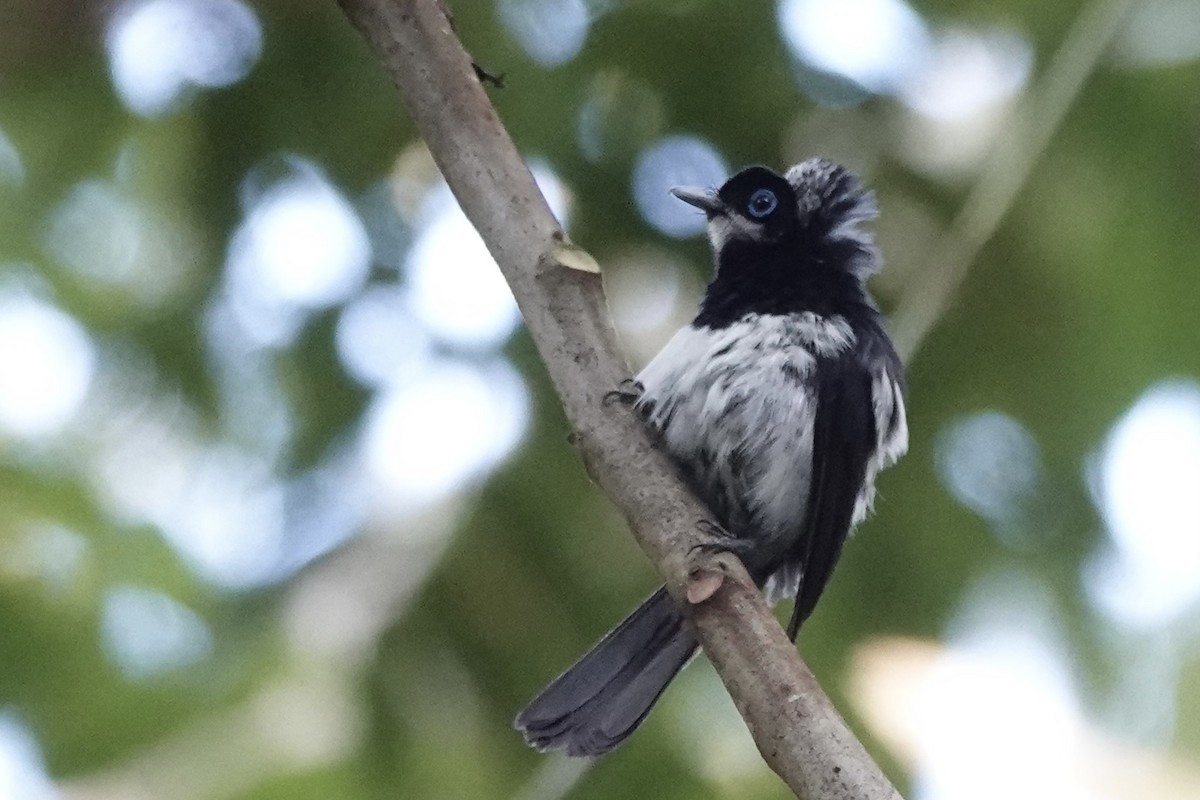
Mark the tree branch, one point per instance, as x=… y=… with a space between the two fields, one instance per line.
x=558 y=288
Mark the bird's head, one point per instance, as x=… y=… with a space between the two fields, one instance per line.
x=807 y=217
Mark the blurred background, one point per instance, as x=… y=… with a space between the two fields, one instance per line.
x=287 y=507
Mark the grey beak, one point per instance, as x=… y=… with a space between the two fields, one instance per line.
x=704 y=199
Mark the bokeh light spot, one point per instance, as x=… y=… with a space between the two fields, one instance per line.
x=146 y=633
x=456 y=288
x=159 y=49
x=303 y=243
x=379 y=341
x=962 y=100
x=22 y=773
x=620 y=116
x=675 y=161
x=875 y=43
x=1160 y=33
x=552 y=32
x=301 y=247
x=1002 y=694
x=228 y=523
x=652 y=294
x=991 y=464
x=46 y=366
x=1146 y=480
x=969 y=72
x=431 y=437
x=220 y=507
x=47 y=552
x=116 y=245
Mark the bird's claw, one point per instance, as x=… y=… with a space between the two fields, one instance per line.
x=707 y=574
x=627 y=393
x=719 y=540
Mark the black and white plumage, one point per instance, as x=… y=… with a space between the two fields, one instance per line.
x=779 y=404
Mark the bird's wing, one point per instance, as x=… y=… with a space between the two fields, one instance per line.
x=844 y=440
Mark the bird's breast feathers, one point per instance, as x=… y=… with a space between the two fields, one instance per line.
x=735 y=407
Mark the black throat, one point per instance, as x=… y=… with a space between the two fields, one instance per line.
x=785 y=278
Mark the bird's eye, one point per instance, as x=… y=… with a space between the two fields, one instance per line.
x=761 y=203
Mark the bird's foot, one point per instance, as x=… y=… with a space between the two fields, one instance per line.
x=708 y=571
x=627 y=393
x=718 y=540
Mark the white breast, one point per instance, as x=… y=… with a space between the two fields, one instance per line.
x=735 y=408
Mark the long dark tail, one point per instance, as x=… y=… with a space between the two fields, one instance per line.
x=593 y=706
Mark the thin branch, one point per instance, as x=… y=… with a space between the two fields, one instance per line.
x=926 y=300
x=558 y=287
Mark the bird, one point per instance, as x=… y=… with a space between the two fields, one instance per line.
x=778 y=405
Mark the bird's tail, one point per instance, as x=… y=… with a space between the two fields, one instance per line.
x=593 y=706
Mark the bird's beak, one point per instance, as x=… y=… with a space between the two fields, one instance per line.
x=704 y=199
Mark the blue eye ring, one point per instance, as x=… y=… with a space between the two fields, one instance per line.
x=761 y=203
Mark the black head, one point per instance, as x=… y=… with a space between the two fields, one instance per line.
x=793 y=238
x=756 y=205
